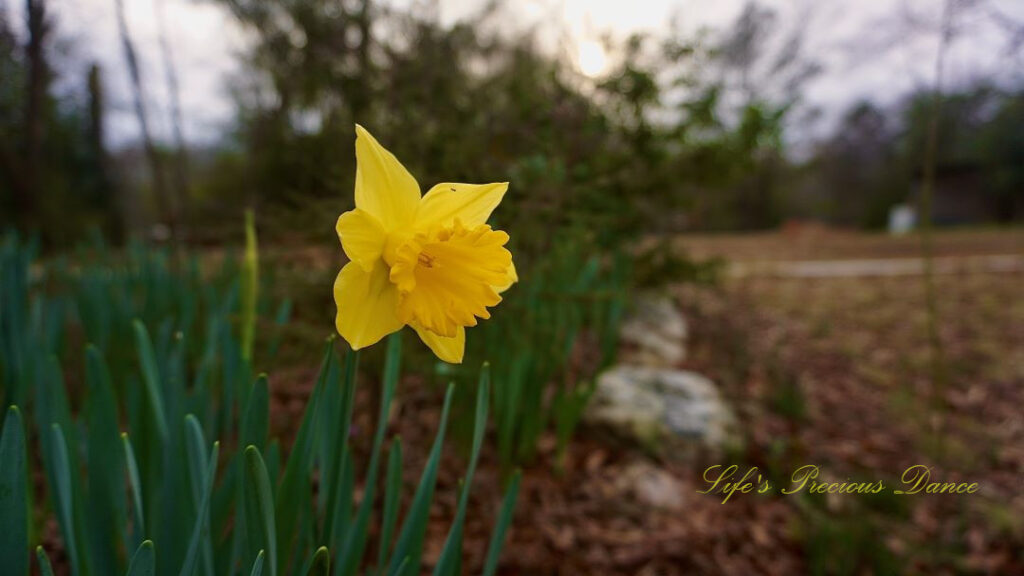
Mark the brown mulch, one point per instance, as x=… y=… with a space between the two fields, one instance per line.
x=577 y=521
x=856 y=351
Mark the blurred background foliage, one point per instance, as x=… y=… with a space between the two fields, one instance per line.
x=682 y=131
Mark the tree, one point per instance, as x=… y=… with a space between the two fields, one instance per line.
x=36 y=101
x=53 y=173
x=180 y=167
x=1002 y=149
x=861 y=171
x=12 y=98
x=167 y=205
x=105 y=192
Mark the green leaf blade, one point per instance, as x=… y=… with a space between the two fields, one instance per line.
x=132 y=470
x=63 y=495
x=106 y=503
x=354 y=545
x=44 y=562
x=257 y=566
x=451 y=553
x=295 y=482
x=199 y=544
x=144 y=561
x=321 y=565
x=151 y=378
x=259 y=508
x=14 y=502
x=409 y=546
x=501 y=525
x=392 y=499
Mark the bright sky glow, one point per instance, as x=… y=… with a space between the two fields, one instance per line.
x=860 y=44
x=592 y=58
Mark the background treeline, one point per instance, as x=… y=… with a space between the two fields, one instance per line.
x=684 y=132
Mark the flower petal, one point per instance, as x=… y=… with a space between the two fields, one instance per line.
x=384 y=188
x=513 y=277
x=367 y=304
x=472 y=204
x=362 y=237
x=450 y=350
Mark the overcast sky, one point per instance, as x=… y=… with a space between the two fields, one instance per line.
x=863 y=44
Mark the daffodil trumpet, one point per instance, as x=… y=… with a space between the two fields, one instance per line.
x=430 y=262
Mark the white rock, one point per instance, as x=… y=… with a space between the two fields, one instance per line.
x=655 y=332
x=651 y=486
x=672 y=412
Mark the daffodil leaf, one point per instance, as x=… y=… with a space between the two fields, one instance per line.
x=202 y=470
x=355 y=541
x=132 y=469
x=144 y=561
x=392 y=498
x=335 y=421
x=106 y=503
x=402 y=568
x=257 y=413
x=259 y=508
x=321 y=565
x=295 y=483
x=151 y=378
x=257 y=566
x=14 y=502
x=44 y=562
x=63 y=495
x=409 y=545
x=451 y=553
x=501 y=525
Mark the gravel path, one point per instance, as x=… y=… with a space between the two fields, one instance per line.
x=1000 y=263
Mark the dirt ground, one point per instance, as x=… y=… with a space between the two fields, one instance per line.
x=815 y=242
x=832 y=371
x=835 y=372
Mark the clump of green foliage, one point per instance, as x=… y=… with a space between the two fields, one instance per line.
x=194 y=485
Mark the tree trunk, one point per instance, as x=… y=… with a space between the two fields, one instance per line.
x=165 y=204
x=35 y=107
x=110 y=200
x=180 y=170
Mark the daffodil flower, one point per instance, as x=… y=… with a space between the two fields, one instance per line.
x=430 y=262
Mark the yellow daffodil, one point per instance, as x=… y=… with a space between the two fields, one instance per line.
x=430 y=262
